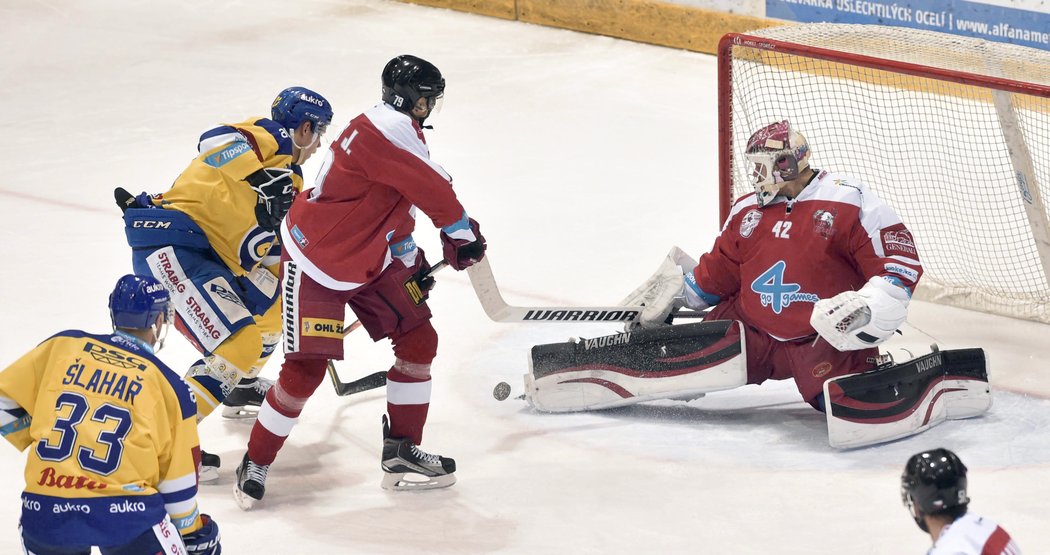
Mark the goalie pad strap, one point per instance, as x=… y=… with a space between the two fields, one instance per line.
x=628 y=368
x=891 y=402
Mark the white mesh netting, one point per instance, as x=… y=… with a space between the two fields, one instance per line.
x=933 y=148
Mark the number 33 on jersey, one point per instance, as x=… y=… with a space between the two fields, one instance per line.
x=112 y=434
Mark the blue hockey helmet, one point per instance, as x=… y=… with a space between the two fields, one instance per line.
x=295 y=105
x=137 y=301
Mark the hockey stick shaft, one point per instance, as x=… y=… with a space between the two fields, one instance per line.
x=498 y=310
x=371 y=381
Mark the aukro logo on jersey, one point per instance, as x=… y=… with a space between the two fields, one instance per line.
x=775 y=293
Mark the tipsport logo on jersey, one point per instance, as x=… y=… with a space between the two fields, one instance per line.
x=777 y=294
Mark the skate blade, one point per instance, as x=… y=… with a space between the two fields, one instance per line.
x=245 y=411
x=209 y=475
x=244 y=501
x=689 y=397
x=407 y=481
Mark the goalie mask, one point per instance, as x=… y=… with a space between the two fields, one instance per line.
x=777 y=154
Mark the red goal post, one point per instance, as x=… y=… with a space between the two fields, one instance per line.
x=953 y=132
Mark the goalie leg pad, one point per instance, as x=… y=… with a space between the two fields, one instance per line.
x=672 y=362
x=897 y=401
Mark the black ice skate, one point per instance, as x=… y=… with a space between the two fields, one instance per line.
x=208 y=472
x=406 y=467
x=245 y=399
x=251 y=483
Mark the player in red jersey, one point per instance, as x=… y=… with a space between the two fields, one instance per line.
x=933 y=489
x=806 y=235
x=348 y=241
x=806 y=254
x=808 y=275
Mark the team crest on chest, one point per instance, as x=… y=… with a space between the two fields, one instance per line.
x=824 y=223
x=255 y=245
x=750 y=222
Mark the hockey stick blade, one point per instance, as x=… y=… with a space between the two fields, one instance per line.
x=371 y=381
x=342 y=389
x=498 y=310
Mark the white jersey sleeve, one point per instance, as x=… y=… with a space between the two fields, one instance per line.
x=971 y=534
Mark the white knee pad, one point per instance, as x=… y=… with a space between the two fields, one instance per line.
x=413 y=369
x=218 y=369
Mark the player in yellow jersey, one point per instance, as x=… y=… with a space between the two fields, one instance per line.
x=113 y=437
x=211 y=240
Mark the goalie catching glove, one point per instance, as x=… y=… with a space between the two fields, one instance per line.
x=462 y=243
x=671 y=287
x=855 y=320
x=276 y=192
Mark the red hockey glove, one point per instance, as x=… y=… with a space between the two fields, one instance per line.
x=462 y=243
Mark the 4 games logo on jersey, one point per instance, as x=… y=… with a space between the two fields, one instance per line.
x=777 y=294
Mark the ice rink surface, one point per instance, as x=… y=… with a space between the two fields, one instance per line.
x=585 y=159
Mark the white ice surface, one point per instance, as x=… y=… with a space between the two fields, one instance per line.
x=584 y=158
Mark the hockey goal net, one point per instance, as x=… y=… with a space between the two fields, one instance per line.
x=953 y=132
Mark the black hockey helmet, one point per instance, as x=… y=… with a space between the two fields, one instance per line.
x=408 y=78
x=933 y=482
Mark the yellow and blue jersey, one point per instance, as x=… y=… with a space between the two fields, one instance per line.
x=112 y=434
x=212 y=191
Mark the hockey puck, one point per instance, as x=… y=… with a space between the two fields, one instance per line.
x=501 y=391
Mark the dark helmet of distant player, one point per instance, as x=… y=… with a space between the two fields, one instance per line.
x=933 y=482
x=777 y=153
x=137 y=301
x=295 y=105
x=406 y=79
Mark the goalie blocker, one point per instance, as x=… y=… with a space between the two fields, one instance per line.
x=673 y=362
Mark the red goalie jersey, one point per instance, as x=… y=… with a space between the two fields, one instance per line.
x=782 y=258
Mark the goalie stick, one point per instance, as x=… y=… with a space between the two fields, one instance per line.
x=371 y=381
x=498 y=310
